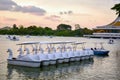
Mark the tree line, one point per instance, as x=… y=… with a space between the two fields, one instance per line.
x=62 y=30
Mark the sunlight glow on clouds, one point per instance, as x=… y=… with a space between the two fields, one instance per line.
x=9 y=5
x=87 y=13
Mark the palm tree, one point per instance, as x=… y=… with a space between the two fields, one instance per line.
x=116 y=7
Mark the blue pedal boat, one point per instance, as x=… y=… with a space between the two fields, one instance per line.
x=100 y=51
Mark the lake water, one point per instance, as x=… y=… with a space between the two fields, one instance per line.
x=100 y=68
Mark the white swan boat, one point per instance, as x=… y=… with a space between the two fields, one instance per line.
x=29 y=60
x=55 y=52
x=84 y=53
x=13 y=38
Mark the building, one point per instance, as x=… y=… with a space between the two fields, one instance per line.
x=111 y=30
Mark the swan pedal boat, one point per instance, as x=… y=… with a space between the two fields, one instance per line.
x=40 y=58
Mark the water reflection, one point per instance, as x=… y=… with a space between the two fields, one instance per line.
x=60 y=71
x=104 y=68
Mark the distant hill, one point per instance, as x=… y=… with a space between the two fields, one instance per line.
x=5 y=28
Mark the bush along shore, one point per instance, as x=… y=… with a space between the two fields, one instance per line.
x=62 y=30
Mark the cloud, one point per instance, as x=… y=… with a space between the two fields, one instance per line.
x=10 y=19
x=6 y=4
x=53 y=18
x=68 y=21
x=9 y=5
x=66 y=12
x=74 y=14
x=83 y=14
x=30 y=9
x=116 y=0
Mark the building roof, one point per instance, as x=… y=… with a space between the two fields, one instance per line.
x=117 y=24
x=113 y=25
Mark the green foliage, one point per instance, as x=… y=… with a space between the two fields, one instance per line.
x=15 y=26
x=116 y=7
x=64 y=27
x=38 y=30
x=63 y=33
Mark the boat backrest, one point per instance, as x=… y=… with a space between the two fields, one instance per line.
x=86 y=52
x=20 y=53
x=60 y=49
x=51 y=56
x=10 y=54
x=91 y=52
x=54 y=49
x=81 y=52
x=41 y=50
x=27 y=51
x=35 y=50
x=71 y=54
x=76 y=53
x=65 y=55
x=43 y=57
x=36 y=57
x=58 y=55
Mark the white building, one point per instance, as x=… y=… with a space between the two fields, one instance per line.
x=111 y=30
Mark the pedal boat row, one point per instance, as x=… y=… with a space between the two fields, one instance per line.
x=57 y=52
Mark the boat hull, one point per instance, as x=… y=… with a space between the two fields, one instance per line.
x=24 y=63
x=87 y=57
x=83 y=57
x=66 y=60
x=45 y=63
x=77 y=59
x=72 y=59
x=60 y=60
x=52 y=62
x=91 y=56
x=101 y=52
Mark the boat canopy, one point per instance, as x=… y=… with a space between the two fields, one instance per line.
x=28 y=43
x=46 y=42
x=79 y=43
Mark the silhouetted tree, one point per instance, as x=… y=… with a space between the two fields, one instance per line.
x=64 y=27
x=116 y=7
x=15 y=26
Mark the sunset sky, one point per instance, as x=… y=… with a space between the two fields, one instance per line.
x=50 y=13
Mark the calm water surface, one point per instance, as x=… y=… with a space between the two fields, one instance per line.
x=100 y=68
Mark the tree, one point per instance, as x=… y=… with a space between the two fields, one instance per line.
x=116 y=7
x=21 y=27
x=48 y=31
x=15 y=26
x=32 y=27
x=64 y=27
x=47 y=28
x=77 y=26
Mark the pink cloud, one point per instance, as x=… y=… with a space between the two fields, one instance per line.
x=9 y=5
x=10 y=19
x=53 y=18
